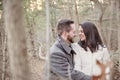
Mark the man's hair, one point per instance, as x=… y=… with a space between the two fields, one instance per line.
x=64 y=25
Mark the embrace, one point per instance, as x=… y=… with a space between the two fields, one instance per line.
x=86 y=59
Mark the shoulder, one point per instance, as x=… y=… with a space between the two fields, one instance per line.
x=102 y=47
x=55 y=46
x=75 y=45
x=56 y=50
x=105 y=48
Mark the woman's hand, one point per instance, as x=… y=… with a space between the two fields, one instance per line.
x=105 y=70
x=102 y=75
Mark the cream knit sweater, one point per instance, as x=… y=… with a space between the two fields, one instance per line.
x=85 y=61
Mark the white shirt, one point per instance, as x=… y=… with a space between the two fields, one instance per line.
x=85 y=61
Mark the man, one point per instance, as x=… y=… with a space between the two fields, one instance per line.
x=61 y=54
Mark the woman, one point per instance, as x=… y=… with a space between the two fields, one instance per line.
x=89 y=49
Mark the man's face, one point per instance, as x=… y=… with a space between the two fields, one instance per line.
x=71 y=33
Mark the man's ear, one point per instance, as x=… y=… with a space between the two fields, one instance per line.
x=65 y=33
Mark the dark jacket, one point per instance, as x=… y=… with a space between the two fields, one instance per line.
x=62 y=63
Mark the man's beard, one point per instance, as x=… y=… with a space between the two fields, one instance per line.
x=70 y=39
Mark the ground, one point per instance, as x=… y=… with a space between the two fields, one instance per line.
x=37 y=68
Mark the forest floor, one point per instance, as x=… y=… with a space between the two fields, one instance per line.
x=37 y=68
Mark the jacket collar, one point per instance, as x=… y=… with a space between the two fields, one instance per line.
x=64 y=45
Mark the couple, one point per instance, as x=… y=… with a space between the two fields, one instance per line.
x=77 y=61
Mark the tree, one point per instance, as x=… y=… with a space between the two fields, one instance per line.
x=14 y=27
x=47 y=37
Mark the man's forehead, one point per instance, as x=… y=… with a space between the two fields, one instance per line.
x=72 y=25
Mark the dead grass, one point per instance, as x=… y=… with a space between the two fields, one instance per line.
x=36 y=68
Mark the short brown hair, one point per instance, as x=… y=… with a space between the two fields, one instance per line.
x=64 y=25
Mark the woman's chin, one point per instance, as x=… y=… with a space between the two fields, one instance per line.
x=82 y=39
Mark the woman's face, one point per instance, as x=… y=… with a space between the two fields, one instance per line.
x=81 y=34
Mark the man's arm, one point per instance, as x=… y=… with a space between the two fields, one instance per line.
x=60 y=65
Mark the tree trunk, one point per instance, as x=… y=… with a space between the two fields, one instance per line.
x=4 y=47
x=99 y=6
x=110 y=26
x=53 y=20
x=47 y=37
x=76 y=13
x=2 y=37
x=70 y=12
x=16 y=39
x=32 y=38
x=114 y=27
x=118 y=22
